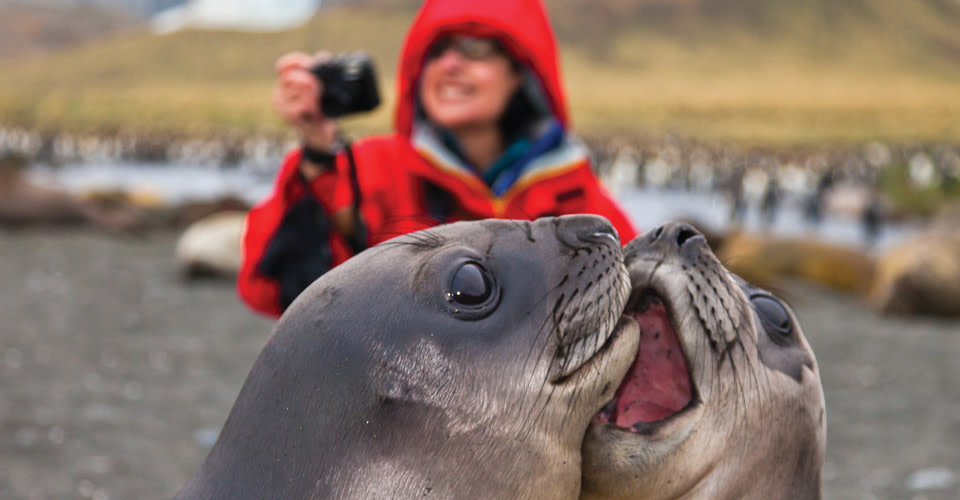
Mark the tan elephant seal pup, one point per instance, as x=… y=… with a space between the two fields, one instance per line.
x=724 y=400
x=461 y=362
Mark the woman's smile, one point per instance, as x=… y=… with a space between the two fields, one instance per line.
x=458 y=92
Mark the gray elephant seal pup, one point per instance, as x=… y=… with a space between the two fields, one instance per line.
x=724 y=400
x=460 y=362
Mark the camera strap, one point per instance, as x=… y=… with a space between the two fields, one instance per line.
x=359 y=241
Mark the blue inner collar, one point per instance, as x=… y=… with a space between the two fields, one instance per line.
x=506 y=169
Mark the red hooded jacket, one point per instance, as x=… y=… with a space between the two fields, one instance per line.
x=398 y=173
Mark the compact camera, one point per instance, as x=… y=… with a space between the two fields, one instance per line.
x=349 y=84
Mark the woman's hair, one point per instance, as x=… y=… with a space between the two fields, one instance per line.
x=527 y=106
x=520 y=115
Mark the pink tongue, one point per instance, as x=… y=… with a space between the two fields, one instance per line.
x=658 y=383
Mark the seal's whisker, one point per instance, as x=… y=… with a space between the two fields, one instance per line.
x=536 y=408
x=754 y=346
x=764 y=391
x=740 y=403
x=546 y=402
x=728 y=356
x=746 y=315
x=428 y=238
x=387 y=245
x=574 y=398
x=545 y=329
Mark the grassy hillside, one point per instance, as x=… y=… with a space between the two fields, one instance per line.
x=753 y=70
x=770 y=69
x=36 y=29
x=193 y=80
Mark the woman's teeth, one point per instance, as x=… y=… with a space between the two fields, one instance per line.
x=453 y=92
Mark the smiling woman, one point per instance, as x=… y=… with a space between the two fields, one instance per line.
x=481 y=131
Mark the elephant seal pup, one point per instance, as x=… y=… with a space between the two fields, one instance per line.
x=464 y=361
x=724 y=400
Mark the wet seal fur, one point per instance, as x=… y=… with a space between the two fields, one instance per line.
x=740 y=415
x=464 y=361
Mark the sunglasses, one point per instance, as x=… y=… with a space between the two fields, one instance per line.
x=472 y=48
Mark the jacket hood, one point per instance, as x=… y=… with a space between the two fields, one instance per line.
x=521 y=25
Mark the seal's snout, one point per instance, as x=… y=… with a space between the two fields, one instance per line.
x=674 y=234
x=576 y=230
x=675 y=238
x=592 y=289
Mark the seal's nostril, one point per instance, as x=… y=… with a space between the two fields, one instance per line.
x=656 y=235
x=685 y=234
x=600 y=235
x=576 y=230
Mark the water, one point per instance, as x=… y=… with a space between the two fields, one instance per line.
x=648 y=207
x=169 y=183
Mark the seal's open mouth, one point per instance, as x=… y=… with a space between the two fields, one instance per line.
x=658 y=385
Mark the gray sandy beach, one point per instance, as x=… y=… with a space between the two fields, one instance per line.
x=115 y=375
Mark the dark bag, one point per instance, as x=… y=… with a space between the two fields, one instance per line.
x=299 y=252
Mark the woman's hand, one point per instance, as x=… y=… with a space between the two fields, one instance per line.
x=296 y=95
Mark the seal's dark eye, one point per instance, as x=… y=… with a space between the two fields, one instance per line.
x=773 y=314
x=471 y=285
